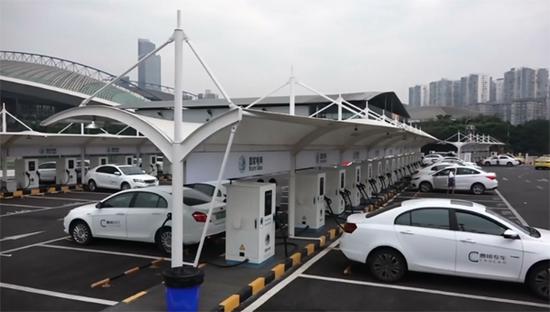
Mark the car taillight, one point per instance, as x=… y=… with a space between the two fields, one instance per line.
x=491 y=177
x=349 y=227
x=199 y=217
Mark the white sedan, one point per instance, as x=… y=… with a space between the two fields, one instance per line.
x=448 y=236
x=144 y=215
x=466 y=179
x=431 y=158
x=118 y=177
x=500 y=160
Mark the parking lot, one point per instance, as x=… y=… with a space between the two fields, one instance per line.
x=330 y=282
x=41 y=269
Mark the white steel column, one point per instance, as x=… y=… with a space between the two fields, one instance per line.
x=82 y=164
x=214 y=195
x=291 y=194
x=177 y=165
x=339 y=103
x=291 y=83
x=4 y=125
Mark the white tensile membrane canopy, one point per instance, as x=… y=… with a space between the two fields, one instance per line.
x=257 y=131
x=251 y=130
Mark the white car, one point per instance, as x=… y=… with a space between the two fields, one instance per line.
x=500 y=160
x=118 y=177
x=431 y=158
x=460 y=162
x=466 y=179
x=448 y=236
x=47 y=171
x=432 y=168
x=144 y=215
x=208 y=189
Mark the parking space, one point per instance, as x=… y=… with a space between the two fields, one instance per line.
x=331 y=282
x=45 y=270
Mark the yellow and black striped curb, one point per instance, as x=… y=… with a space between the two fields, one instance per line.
x=106 y=282
x=277 y=272
x=41 y=191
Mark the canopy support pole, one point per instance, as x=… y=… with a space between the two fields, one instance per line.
x=291 y=194
x=177 y=165
x=292 y=101
x=214 y=195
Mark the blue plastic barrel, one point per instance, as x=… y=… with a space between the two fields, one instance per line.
x=182 y=288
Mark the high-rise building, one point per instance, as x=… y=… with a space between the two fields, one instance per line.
x=479 y=89
x=414 y=96
x=424 y=95
x=541 y=83
x=457 y=93
x=499 y=90
x=149 y=70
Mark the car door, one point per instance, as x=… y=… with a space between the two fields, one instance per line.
x=113 y=177
x=465 y=178
x=100 y=176
x=482 y=251
x=145 y=216
x=494 y=161
x=427 y=240
x=109 y=220
x=441 y=178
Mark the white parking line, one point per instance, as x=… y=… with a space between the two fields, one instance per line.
x=100 y=251
x=59 y=198
x=539 y=187
x=14 y=237
x=426 y=290
x=26 y=206
x=14 y=213
x=516 y=214
x=58 y=294
x=6 y=252
x=273 y=291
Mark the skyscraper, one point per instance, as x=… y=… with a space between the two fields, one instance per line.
x=148 y=71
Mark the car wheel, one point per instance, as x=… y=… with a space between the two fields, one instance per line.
x=80 y=232
x=92 y=186
x=387 y=265
x=164 y=239
x=478 y=188
x=509 y=164
x=425 y=187
x=487 y=163
x=125 y=186
x=538 y=279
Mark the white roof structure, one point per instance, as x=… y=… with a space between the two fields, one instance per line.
x=259 y=131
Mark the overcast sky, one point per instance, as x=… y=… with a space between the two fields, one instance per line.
x=335 y=46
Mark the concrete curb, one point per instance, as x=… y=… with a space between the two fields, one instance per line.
x=277 y=272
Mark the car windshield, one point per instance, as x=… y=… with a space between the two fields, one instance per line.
x=522 y=227
x=130 y=170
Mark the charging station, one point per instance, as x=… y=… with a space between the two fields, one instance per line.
x=26 y=173
x=353 y=177
x=310 y=202
x=65 y=171
x=129 y=160
x=149 y=164
x=98 y=161
x=250 y=227
x=336 y=183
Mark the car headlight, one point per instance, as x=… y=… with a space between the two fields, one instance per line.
x=139 y=180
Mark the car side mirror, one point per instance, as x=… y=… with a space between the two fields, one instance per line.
x=509 y=234
x=117 y=173
x=99 y=205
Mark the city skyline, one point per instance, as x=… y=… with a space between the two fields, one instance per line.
x=376 y=45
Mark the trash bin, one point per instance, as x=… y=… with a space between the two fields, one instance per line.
x=182 y=288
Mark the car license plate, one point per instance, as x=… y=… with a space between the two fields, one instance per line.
x=220 y=215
